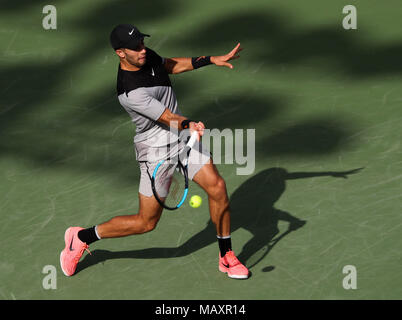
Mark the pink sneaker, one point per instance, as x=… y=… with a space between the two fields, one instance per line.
x=72 y=252
x=232 y=266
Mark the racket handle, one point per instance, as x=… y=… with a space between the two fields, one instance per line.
x=193 y=139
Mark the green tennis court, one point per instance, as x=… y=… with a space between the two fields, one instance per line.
x=325 y=103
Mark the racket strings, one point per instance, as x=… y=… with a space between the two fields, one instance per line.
x=170 y=178
x=176 y=188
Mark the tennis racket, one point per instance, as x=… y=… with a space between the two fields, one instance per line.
x=173 y=176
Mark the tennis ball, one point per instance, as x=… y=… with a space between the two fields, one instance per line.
x=195 y=201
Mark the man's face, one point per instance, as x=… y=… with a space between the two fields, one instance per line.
x=135 y=57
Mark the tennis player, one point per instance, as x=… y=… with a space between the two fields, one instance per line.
x=145 y=92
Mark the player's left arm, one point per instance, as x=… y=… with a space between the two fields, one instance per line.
x=179 y=65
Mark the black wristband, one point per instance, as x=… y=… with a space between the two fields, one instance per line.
x=186 y=123
x=199 y=62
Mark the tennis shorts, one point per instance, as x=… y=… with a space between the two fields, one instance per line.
x=198 y=157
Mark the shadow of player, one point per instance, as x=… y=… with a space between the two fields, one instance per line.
x=252 y=208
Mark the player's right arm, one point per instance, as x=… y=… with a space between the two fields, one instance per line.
x=179 y=122
x=141 y=102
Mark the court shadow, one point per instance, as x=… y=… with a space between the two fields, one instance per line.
x=252 y=208
x=270 y=40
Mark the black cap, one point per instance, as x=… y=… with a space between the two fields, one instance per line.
x=126 y=36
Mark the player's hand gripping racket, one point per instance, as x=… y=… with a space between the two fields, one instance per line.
x=177 y=173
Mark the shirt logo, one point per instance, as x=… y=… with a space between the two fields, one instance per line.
x=130 y=33
x=153 y=73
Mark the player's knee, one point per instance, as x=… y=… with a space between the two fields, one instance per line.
x=147 y=224
x=150 y=225
x=218 y=188
x=221 y=185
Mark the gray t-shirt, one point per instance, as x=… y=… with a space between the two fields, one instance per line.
x=145 y=94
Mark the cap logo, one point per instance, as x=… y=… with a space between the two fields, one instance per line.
x=131 y=32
